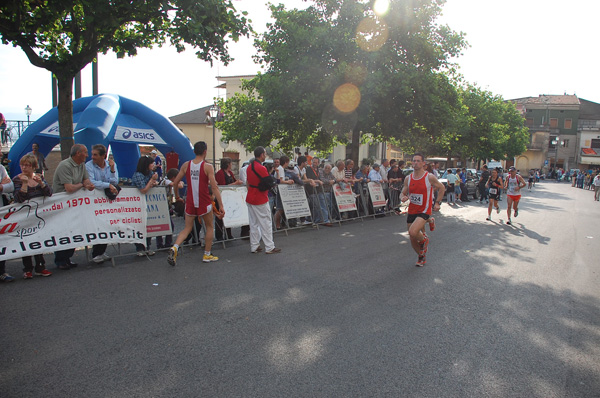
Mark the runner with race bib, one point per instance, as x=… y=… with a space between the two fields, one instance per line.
x=513 y=185
x=495 y=185
x=419 y=188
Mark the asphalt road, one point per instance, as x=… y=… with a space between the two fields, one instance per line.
x=498 y=311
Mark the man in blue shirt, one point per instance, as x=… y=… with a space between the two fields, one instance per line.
x=157 y=162
x=104 y=176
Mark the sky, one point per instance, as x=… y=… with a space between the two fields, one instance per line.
x=518 y=48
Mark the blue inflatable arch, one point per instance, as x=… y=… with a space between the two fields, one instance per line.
x=111 y=120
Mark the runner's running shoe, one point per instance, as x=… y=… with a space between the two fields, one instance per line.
x=498 y=209
x=421 y=261
x=209 y=257
x=509 y=222
x=432 y=224
x=516 y=212
x=172 y=259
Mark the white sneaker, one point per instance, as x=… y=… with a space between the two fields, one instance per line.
x=98 y=259
x=105 y=256
x=150 y=253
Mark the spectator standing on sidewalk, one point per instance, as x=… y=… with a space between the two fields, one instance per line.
x=597 y=187
x=29 y=185
x=483 y=192
x=3 y=135
x=70 y=176
x=316 y=194
x=145 y=179
x=105 y=177
x=259 y=213
x=158 y=162
x=41 y=160
x=6 y=186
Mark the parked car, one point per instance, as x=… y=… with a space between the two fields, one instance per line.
x=471 y=182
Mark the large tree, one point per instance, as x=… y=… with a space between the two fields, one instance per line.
x=494 y=129
x=336 y=70
x=63 y=36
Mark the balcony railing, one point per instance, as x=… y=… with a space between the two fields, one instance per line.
x=14 y=130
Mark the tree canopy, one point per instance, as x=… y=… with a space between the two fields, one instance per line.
x=337 y=69
x=491 y=127
x=63 y=36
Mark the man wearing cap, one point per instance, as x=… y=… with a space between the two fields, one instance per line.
x=157 y=162
x=513 y=185
x=259 y=212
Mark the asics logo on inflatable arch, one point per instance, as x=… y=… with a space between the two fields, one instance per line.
x=137 y=135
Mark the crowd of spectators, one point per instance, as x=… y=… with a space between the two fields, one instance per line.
x=316 y=176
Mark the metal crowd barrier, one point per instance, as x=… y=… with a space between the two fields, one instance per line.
x=316 y=196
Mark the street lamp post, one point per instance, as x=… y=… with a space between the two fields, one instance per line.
x=214 y=112
x=556 y=142
x=28 y=112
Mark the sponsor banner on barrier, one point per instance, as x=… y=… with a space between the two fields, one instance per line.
x=377 y=195
x=234 y=203
x=138 y=135
x=158 y=220
x=344 y=197
x=293 y=198
x=66 y=221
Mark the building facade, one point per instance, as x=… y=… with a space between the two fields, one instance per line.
x=588 y=127
x=553 y=126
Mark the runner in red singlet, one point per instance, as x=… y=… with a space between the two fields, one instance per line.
x=419 y=188
x=198 y=203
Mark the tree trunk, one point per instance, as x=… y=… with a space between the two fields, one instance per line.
x=355 y=146
x=65 y=114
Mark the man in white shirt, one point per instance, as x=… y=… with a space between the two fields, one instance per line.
x=596 y=183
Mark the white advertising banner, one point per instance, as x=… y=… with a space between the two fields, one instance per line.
x=294 y=201
x=344 y=197
x=53 y=129
x=158 y=220
x=377 y=195
x=234 y=203
x=66 y=221
x=138 y=135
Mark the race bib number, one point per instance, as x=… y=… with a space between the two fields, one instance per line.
x=416 y=199
x=493 y=191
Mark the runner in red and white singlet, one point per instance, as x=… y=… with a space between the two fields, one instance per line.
x=419 y=188
x=513 y=185
x=198 y=202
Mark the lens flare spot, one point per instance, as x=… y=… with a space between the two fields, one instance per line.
x=346 y=98
x=371 y=34
x=381 y=7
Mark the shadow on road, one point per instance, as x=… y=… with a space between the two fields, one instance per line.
x=341 y=312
